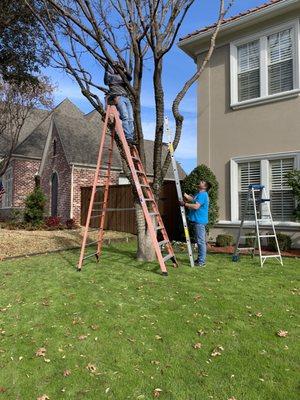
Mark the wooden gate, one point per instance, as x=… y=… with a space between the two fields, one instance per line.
x=120 y=196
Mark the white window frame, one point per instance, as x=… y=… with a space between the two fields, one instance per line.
x=265 y=179
x=262 y=37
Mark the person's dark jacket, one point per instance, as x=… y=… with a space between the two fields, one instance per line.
x=115 y=82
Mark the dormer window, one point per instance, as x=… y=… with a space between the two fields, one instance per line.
x=54 y=149
x=265 y=66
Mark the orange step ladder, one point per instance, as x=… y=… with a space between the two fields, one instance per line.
x=112 y=127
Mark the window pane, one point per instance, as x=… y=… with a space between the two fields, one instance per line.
x=248 y=71
x=282 y=199
x=280 y=62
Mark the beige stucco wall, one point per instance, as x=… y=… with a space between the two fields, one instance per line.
x=224 y=133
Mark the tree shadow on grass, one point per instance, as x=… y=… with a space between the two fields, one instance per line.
x=129 y=258
x=111 y=254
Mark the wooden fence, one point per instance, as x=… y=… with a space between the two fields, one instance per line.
x=120 y=196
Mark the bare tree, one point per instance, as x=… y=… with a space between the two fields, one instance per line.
x=17 y=101
x=88 y=34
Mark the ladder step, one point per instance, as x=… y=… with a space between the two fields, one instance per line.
x=136 y=158
x=163 y=242
x=267 y=236
x=149 y=200
x=272 y=256
x=159 y=227
x=246 y=248
x=153 y=214
x=140 y=172
x=146 y=186
x=248 y=237
x=166 y=258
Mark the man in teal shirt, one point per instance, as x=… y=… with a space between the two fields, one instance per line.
x=198 y=214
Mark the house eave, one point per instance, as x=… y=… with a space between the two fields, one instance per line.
x=202 y=38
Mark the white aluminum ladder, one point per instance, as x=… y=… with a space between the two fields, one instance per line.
x=179 y=193
x=263 y=217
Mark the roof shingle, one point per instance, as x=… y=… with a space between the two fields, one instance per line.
x=233 y=18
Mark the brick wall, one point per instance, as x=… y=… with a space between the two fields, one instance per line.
x=23 y=179
x=57 y=163
x=84 y=177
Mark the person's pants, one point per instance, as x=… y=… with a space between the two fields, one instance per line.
x=126 y=114
x=201 y=242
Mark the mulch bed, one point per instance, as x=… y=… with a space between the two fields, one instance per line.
x=17 y=243
x=212 y=248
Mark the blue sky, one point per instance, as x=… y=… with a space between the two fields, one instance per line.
x=178 y=68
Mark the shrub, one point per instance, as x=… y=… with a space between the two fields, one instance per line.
x=71 y=223
x=224 y=240
x=52 y=222
x=284 y=242
x=190 y=186
x=34 y=207
x=293 y=180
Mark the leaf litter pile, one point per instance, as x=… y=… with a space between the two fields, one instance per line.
x=118 y=330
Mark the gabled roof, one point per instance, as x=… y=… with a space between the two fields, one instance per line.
x=34 y=118
x=233 y=18
x=33 y=144
x=80 y=137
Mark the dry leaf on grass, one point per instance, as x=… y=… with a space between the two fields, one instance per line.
x=217 y=351
x=2 y=389
x=43 y=397
x=201 y=332
x=258 y=314
x=232 y=398
x=67 y=372
x=41 y=352
x=157 y=337
x=281 y=333
x=197 y=297
x=92 y=368
x=197 y=345
x=157 y=392
x=82 y=337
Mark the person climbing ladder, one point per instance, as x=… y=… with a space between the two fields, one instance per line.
x=117 y=92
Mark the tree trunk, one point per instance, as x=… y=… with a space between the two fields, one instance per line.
x=145 y=250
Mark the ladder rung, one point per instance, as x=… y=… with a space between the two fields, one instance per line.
x=140 y=172
x=149 y=199
x=159 y=227
x=146 y=186
x=166 y=258
x=266 y=236
x=272 y=256
x=246 y=248
x=248 y=237
x=153 y=214
x=163 y=242
x=135 y=158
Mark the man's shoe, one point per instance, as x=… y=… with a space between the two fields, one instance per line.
x=199 y=264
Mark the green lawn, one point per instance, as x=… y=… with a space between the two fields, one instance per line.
x=119 y=330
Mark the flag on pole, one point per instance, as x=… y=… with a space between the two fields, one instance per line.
x=2 y=190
